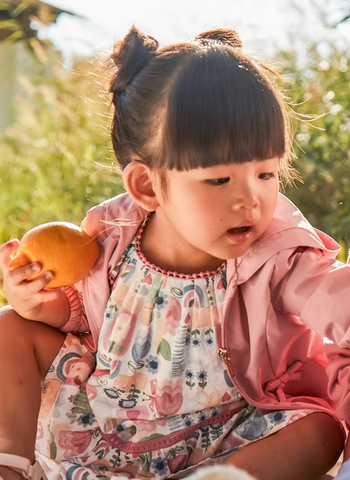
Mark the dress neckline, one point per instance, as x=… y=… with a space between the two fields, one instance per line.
x=169 y=273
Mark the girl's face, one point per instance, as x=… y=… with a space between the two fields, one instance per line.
x=211 y=214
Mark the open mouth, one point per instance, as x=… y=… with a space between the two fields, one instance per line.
x=240 y=234
x=239 y=230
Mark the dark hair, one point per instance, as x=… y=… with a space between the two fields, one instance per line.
x=196 y=104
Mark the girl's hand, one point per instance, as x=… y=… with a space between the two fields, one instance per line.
x=26 y=297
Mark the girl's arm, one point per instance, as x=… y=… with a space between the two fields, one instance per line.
x=28 y=298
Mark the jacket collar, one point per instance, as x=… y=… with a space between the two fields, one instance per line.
x=288 y=229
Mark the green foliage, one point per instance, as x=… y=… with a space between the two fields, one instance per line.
x=56 y=161
x=322 y=87
x=16 y=23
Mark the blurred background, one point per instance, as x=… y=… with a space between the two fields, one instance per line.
x=55 y=153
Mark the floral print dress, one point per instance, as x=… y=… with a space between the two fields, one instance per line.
x=156 y=400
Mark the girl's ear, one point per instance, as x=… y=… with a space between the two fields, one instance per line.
x=139 y=182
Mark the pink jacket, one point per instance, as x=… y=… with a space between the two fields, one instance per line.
x=283 y=296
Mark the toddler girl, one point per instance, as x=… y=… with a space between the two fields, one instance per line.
x=197 y=337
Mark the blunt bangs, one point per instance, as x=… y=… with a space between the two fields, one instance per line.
x=221 y=110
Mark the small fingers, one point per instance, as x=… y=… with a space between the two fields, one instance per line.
x=33 y=287
x=21 y=274
x=36 y=288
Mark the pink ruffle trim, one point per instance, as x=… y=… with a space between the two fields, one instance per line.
x=167 y=273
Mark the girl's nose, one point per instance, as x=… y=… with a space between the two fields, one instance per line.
x=245 y=196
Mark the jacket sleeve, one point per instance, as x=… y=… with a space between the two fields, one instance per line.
x=317 y=289
x=94 y=225
x=311 y=285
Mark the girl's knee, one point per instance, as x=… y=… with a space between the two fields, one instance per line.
x=11 y=323
x=14 y=328
x=29 y=337
x=329 y=434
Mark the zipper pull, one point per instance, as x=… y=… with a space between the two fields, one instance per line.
x=223 y=354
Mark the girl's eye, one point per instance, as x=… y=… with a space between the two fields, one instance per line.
x=266 y=176
x=218 y=181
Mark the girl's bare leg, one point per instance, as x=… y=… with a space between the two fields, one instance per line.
x=27 y=350
x=304 y=450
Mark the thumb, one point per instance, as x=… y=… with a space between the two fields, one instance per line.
x=5 y=252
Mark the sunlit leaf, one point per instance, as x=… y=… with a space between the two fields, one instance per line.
x=14 y=36
x=20 y=8
x=10 y=23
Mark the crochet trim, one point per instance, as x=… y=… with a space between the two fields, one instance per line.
x=152 y=266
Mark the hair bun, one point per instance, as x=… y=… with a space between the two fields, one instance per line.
x=131 y=55
x=223 y=35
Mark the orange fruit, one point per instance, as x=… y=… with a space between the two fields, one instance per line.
x=62 y=248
